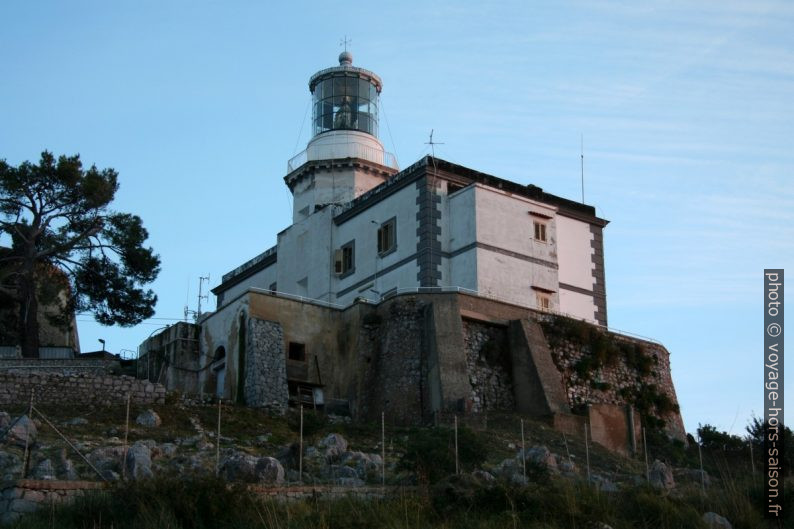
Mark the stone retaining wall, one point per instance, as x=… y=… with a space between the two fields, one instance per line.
x=52 y=388
x=265 y=366
x=95 y=366
x=27 y=495
x=488 y=360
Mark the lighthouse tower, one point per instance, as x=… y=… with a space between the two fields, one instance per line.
x=344 y=158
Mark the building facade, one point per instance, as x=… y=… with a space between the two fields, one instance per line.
x=363 y=229
x=420 y=292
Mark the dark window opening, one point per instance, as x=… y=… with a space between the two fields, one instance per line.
x=387 y=237
x=220 y=354
x=540 y=231
x=297 y=352
x=345 y=259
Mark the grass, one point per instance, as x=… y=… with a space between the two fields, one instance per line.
x=207 y=503
x=198 y=501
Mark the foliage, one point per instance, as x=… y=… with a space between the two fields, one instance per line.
x=57 y=217
x=431 y=451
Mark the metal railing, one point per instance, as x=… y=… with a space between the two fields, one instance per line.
x=331 y=151
x=444 y=289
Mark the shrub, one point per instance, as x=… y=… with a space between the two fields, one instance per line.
x=431 y=452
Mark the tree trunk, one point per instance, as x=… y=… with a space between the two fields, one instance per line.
x=28 y=314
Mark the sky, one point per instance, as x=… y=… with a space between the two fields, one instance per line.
x=684 y=110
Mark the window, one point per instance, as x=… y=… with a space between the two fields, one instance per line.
x=273 y=287
x=387 y=240
x=345 y=259
x=540 y=231
x=297 y=352
x=543 y=300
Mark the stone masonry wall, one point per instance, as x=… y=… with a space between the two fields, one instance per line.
x=96 y=366
x=18 y=498
x=608 y=368
x=27 y=495
x=395 y=374
x=52 y=388
x=266 y=366
x=488 y=361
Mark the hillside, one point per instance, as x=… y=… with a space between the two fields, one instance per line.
x=422 y=490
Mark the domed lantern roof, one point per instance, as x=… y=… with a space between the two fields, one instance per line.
x=345 y=97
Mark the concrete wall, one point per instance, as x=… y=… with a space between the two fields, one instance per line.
x=372 y=271
x=510 y=262
x=575 y=258
x=262 y=279
x=458 y=237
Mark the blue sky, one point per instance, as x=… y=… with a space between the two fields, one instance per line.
x=686 y=109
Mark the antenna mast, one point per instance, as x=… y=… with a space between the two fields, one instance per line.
x=581 y=156
x=197 y=313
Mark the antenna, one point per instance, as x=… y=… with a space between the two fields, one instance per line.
x=345 y=41
x=200 y=297
x=581 y=157
x=197 y=313
x=432 y=147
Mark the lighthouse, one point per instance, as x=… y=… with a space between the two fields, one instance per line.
x=344 y=157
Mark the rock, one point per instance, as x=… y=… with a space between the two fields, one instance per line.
x=540 y=455
x=691 y=475
x=43 y=470
x=5 y=419
x=603 y=484
x=483 y=476
x=139 y=461
x=168 y=449
x=77 y=421
x=10 y=466
x=107 y=458
x=149 y=418
x=21 y=431
x=68 y=472
x=268 y=470
x=239 y=466
x=661 y=476
x=335 y=445
x=343 y=471
x=715 y=521
x=507 y=468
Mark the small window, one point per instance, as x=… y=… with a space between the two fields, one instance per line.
x=345 y=259
x=220 y=354
x=387 y=240
x=297 y=352
x=273 y=287
x=543 y=301
x=540 y=231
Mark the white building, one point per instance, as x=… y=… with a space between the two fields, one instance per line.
x=362 y=228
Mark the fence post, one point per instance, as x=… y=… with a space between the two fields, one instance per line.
x=457 y=466
x=645 y=452
x=300 y=449
x=218 y=441
x=587 y=452
x=26 y=456
x=383 y=448
x=702 y=474
x=523 y=450
x=126 y=438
